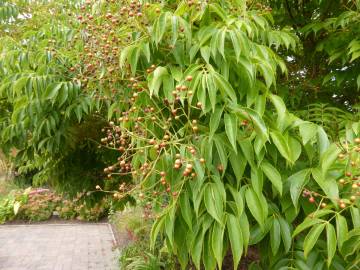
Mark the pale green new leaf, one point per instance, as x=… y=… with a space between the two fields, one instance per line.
x=307 y=131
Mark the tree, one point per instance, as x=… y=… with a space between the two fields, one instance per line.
x=206 y=123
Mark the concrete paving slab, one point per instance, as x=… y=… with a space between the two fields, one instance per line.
x=58 y=247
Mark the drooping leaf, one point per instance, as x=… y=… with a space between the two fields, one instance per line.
x=285 y=234
x=275 y=236
x=235 y=237
x=231 y=129
x=214 y=202
x=217 y=241
x=341 y=230
x=312 y=237
x=273 y=175
x=331 y=243
x=256 y=206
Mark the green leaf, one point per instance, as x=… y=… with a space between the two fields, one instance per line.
x=208 y=259
x=295 y=148
x=238 y=164
x=221 y=41
x=186 y=209
x=323 y=140
x=285 y=234
x=273 y=175
x=197 y=248
x=258 y=122
x=275 y=236
x=231 y=128
x=328 y=157
x=253 y=117
x=125 y=55
x=20 y=83
x=341 y=230
x=331 y=242
x=52 y=91
x=237 y=198
x=208 y=83
x=257 y=180
x=312 y=237
x=224 y=86
x=328 y=185
x=159 y=223
x=355 y=216
x=214 y=202
x=308 y=222
x=169 y=226
x=205 y=53
x=307 y=131
x=64 y=94
x=281 y=144
x=280 y=109
x=217 y=241
x=235 y=237
x=255 y=206
x=133 y=59
x=157 y=79
x=145 y=48
x=297 y=183
x=220 y=147
x=236 y=42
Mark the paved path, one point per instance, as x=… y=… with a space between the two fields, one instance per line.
x=57 y=247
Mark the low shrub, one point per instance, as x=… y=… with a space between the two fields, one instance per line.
x=10 y=205
x=137 y=255
x=40 y=205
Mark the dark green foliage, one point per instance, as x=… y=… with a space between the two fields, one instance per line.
x=233 y=124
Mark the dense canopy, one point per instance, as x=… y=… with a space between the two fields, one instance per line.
x=234 y=124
